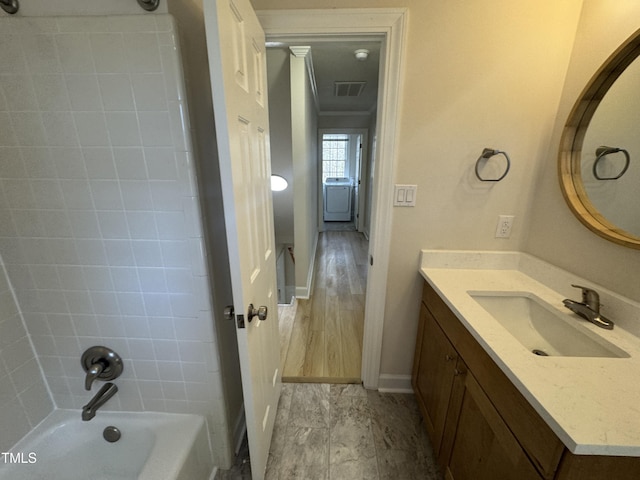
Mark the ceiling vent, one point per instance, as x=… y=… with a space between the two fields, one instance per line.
x=349 y=89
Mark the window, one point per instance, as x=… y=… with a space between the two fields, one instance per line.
x=335 y=154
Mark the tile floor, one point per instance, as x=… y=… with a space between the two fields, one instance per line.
x=335 y=432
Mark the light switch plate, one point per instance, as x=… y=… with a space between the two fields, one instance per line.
x=404 y=195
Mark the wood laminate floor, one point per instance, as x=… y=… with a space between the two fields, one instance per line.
x=322 y=340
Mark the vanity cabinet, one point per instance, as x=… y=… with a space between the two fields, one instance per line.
x=480 y=425
x=479 y=445
x=435 y=367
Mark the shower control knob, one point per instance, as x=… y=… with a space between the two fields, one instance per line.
x=260 y=312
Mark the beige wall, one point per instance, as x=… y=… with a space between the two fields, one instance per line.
x=476 y=74
x=279 y=81
x=555 y=234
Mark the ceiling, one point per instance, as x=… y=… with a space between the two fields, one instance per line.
x=335 y=62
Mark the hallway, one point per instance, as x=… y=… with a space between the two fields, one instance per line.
x=322 y=342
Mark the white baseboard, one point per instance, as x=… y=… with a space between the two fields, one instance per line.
x=394 y=383
x=213 y=473
x=239 y=429
x=305 y=292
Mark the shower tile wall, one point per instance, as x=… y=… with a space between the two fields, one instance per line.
x=100 y=225
x=24 y=399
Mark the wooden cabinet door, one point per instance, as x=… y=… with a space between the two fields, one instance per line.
x=433 y=374
x=478 y=444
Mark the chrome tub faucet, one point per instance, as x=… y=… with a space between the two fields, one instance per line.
x=107 y=391
x=100 y=363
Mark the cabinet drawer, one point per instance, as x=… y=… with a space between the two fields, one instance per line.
x=542 y=446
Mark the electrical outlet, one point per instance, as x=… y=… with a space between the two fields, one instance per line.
x=505 y=222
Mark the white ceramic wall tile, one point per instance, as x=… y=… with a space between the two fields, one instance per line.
x=37 y=162
x=84 y=92
x=123 y=129
x=99 y=163
x=109 y=53
x=60 y=129
x=11 y=165
x=130 y=163
x=92 y=129
x=105 y=195
x=119 y=254
x=161 y=163
x=149 y=91
x=69 y=162
x=27 y=130
x=74 y=50
x=142 y=225
x=40 y=53
x=136 y=195
x=113 y=225
x=11 y=57
x=47 y=194
x=19 y=92
x=77 y=194
x=116 y=92
x=84 y=224
x=23 y=394
x=155 y=129
x=130 y=304
x=143 y=53
x=51 y=92
x=94 y=227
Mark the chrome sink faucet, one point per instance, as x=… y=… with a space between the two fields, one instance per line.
x=589 y=308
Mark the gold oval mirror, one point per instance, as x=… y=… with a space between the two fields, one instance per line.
x=599 y=159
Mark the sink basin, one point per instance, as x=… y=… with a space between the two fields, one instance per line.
x=542 y=329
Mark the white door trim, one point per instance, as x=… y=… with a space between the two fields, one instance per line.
x=390 y=24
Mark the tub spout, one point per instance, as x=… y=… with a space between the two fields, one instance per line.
x=107 y=391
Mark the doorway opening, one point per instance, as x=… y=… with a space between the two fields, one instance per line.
x=328 y=127
x=389 y=27
x=344 y=180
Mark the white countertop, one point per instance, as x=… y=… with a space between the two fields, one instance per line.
x=592 y=404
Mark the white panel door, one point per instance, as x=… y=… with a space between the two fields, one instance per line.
x=237 y=63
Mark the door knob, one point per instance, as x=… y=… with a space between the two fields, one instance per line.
x=260 y=312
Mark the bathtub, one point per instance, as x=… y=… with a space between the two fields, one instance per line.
x=153 y=446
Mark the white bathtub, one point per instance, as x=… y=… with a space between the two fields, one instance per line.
x=153 y=446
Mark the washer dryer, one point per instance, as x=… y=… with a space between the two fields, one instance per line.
x=337 y=199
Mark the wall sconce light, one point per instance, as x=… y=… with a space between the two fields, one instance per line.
x=278 y=183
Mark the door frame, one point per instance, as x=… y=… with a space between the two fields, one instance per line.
x=390 y=24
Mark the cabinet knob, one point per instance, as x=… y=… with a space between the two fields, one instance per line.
x=448 y=358
x=459 y=371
